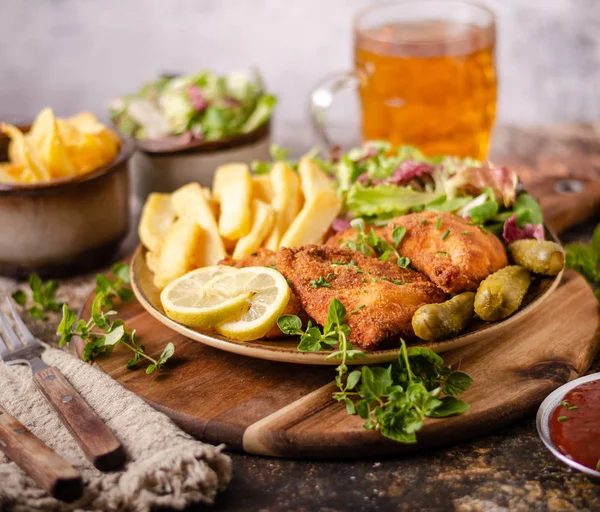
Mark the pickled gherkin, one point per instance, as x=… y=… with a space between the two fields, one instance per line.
x=433 y=322
x=501 y=293
x=538 y=256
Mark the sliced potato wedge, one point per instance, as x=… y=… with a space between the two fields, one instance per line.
x=232 y=189
x=312 y=178
x=262 y=188
x=178 y=251
x=286 y=201
x=157 y=217
x=263 y=217
x=189 y=202
x=152 y=260
x=314 y=220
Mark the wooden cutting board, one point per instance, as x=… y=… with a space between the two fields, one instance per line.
x=286 y=410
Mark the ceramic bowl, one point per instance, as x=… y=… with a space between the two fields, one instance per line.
x=544 y=415
x=155 y=169
x=65 y=226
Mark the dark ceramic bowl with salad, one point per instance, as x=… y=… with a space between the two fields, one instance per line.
x=186 y=126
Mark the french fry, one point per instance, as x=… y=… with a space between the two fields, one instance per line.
x=152 y=260
x=314 y=220
x=189 y=202
x=178 y=251
x=286 y=201
x=157 y=217
x=263 y=217
x=232 y=189
x=312 y=178
x=262 y=188
x=214 y=205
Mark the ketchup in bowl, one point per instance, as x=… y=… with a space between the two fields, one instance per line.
x=575 y=425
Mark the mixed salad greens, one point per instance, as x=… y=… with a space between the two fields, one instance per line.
x=378 y=183
x=202 y=106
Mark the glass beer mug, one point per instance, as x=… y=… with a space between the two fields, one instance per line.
x=425 y=75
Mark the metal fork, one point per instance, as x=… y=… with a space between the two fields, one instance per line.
x=98 y=443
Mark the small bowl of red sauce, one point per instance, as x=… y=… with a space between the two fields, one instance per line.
x=568 y=421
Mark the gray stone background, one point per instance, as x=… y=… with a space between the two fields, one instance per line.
x=77 y=54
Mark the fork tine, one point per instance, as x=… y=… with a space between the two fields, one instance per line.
x=10 y=333
x=25 y=332
x=4 y=349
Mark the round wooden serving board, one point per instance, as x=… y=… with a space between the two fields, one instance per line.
x=286 y=410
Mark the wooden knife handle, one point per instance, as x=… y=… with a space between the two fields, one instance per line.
x=98 y=443
x=566 y=202
x=49 y=470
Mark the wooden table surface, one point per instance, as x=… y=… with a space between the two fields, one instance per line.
x=509 y=470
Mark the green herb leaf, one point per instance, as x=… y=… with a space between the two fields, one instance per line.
x=113 y=337
x=336 y=314
x=457 y=383
x=449 y=407
x=398 y=234
x=289 y=324
x=20 y=297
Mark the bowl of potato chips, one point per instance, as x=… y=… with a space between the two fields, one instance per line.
x=64 y=194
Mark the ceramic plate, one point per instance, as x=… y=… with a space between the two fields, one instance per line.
x=284 y=349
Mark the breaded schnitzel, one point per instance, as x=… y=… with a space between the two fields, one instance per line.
x=455 y=255
x=380 y=297
x=266 y=258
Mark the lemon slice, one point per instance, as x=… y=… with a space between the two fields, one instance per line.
x=184 y=299
x=270 y=294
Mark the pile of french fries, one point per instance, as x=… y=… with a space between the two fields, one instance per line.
x=195 y=227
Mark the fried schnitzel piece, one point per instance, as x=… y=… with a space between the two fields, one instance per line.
x=380 y=297
x=454 y=255
x=266 y=258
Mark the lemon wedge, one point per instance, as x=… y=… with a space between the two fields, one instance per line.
x=269 y=295
x=185 y=300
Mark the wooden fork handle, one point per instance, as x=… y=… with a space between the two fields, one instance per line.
x=98 y=443
x=49 y=470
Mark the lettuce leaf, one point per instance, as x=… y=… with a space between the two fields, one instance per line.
x=386 y=199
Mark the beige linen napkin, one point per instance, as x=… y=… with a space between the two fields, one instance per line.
x=165 y=467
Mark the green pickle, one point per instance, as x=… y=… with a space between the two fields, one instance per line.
x=500 y=294
x=541 y=257
x=433 y=322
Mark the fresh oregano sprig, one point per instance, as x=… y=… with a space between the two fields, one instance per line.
x=43 y=297
x=394 y=400
x=371 y=244
x=101 y=332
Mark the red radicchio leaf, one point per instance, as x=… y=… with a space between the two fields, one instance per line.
x=409 y=170
x=196 y=98
x=513 y=232
x=501 y=180
x=340 y=224
x=405 y=173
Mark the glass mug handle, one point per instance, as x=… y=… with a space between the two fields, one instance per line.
x=321 y=98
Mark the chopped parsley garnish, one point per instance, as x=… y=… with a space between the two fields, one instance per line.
x=321 y=282
x=370 y=244
x=403 y=262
